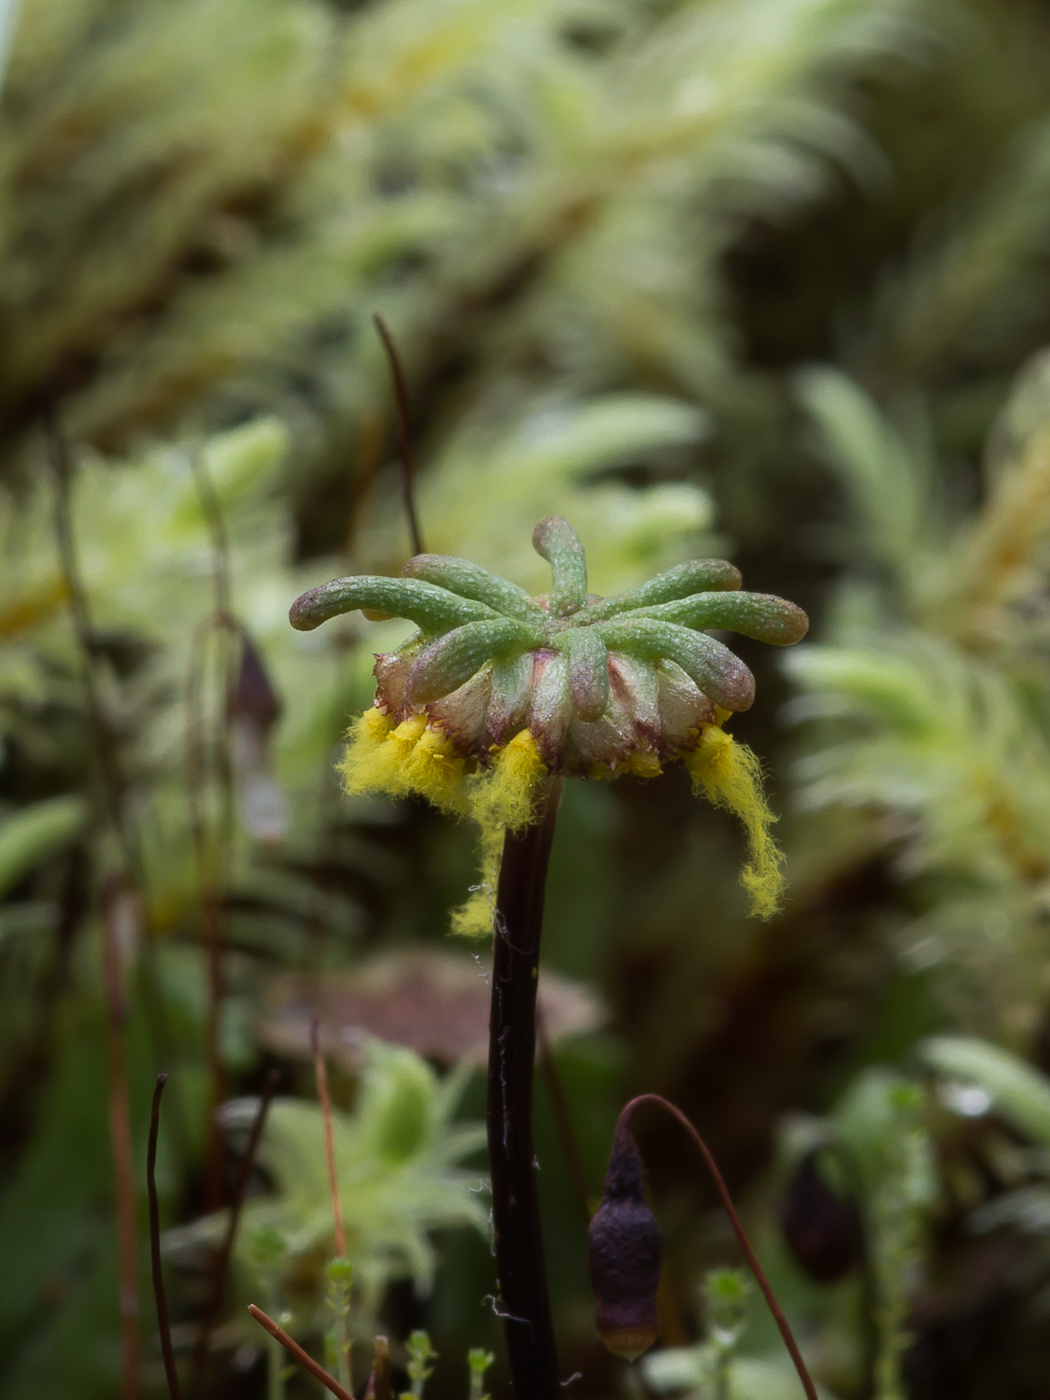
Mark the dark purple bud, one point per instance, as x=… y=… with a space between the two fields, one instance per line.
x=623 y=1255
x=823 y=1231
x=253 y=697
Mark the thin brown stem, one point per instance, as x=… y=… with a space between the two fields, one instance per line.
x=120 y=1141
x=106 y=746
x=213 y=854
x=114 y=979
x=524 y=1304
x=738 y=1230
x=304 y=1358
x=105 y=740
x=380 y=1384
x=408 y=470
x=321 y=1071
x=167 y=1351
x=220 y=539
x=222 y=1259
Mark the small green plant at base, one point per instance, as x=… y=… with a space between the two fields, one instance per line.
x=420 y=1351
x=397 y=1155
x=724 y=1293
x=479 y=1362
x=338 y=1279
x=897 y=1213
x=708 y=1371
x=267 y=1249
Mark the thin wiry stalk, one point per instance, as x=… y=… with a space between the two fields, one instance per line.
x=214 y=852
x=523 y=1300
x=408 y=471
x=167 y=1351
x=304 y=1358
x=212 y=855
x=380 y=1384
x=738 y=1230
x=106 y=747
x=120 y=1142
x=105 y=740
x=222 y=1259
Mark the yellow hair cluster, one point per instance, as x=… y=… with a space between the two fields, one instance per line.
x=417 y=757
x=643 y=763
x=502 y=799
x=411 y=757
x=729 y=775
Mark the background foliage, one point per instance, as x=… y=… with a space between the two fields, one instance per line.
x=766 y=278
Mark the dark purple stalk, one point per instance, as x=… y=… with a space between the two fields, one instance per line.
x=520 y=1271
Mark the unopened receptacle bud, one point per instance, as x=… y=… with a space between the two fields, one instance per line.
x=623 y=1255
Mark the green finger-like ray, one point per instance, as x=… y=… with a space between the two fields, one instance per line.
x=511 y=683
x=698 y=575
x=555 y=540
x=431 y=608
x=758 y=615
x=722 y=676
x=551 y=705
x=588 y=658
x=449 y=662
x=472 y=581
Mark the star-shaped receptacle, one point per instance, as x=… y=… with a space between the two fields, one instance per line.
x=602 y=684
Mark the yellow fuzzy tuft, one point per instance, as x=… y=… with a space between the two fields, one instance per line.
x=417 y=757
x=502 y=800
x=504 y=796
x=434 y=770
x=643 y=764
x=406 y=736
x=414 y=757
x=474 y=918
x=370 y=761
x=729 y=775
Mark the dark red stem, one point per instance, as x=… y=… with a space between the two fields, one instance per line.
x=738 y=1230
x=304 y=1358
x=113 y=976
x=154 y=1243
x=404 y=433
x=213 y=868
x=520 y=1271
